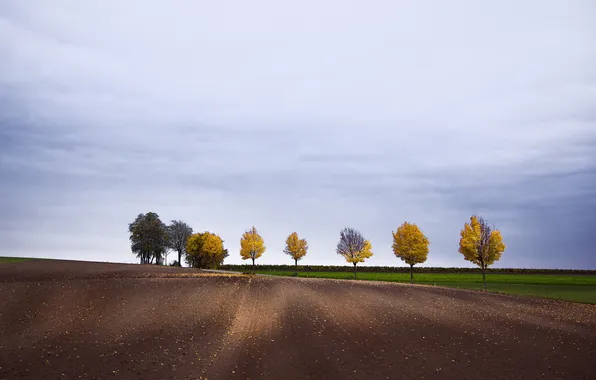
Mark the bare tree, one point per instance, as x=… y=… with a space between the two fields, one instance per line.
x=353 y=247
x=484 y=246
x=481 y=244
x=179 y=232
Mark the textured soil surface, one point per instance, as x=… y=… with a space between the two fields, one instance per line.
x=77 y=320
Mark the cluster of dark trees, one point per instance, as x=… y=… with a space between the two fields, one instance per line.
x=151 y=240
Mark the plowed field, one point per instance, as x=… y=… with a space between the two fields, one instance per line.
x=77 y=320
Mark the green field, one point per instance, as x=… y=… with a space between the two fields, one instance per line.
x=564 y=287
x=13 y=259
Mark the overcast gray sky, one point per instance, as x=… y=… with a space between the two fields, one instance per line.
x=304 y=116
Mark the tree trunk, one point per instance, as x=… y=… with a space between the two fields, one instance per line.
x=484 y=276
x=179 y=257
x=296 y=262
x=253 y=265
x=411 y=273
x=355 y=270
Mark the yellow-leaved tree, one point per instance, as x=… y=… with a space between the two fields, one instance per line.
x=410 y=245
x=481 y=244
x=251 y=245
x=205 y=250
x=353 y=247
x=296 y=248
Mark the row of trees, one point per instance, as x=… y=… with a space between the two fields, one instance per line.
x=151 y=240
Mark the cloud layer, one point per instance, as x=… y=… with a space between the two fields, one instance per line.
x=306 y=117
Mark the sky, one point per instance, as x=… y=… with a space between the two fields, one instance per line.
x=302 y=116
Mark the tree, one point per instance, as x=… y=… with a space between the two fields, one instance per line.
x=193 y=249
x=296 y=247
x=149 y=238
x=205 y=250
x=410 y=245
x=178 y=233
x=251 y=246
x=481 y=244
x=224 y=254
x=353 y=247
x=213 y=250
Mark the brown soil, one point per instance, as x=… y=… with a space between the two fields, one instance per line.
x=77 y=320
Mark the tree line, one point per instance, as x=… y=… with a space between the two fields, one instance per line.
x=402 y=269
x=151 y=240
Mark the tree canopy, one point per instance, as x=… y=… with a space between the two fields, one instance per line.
x=205 y=250
x=410 y=245
x=296 y=248
x=149 y=238
x=481 y=244
x=252 y=245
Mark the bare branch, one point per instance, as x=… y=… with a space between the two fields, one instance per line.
x=351 y=242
